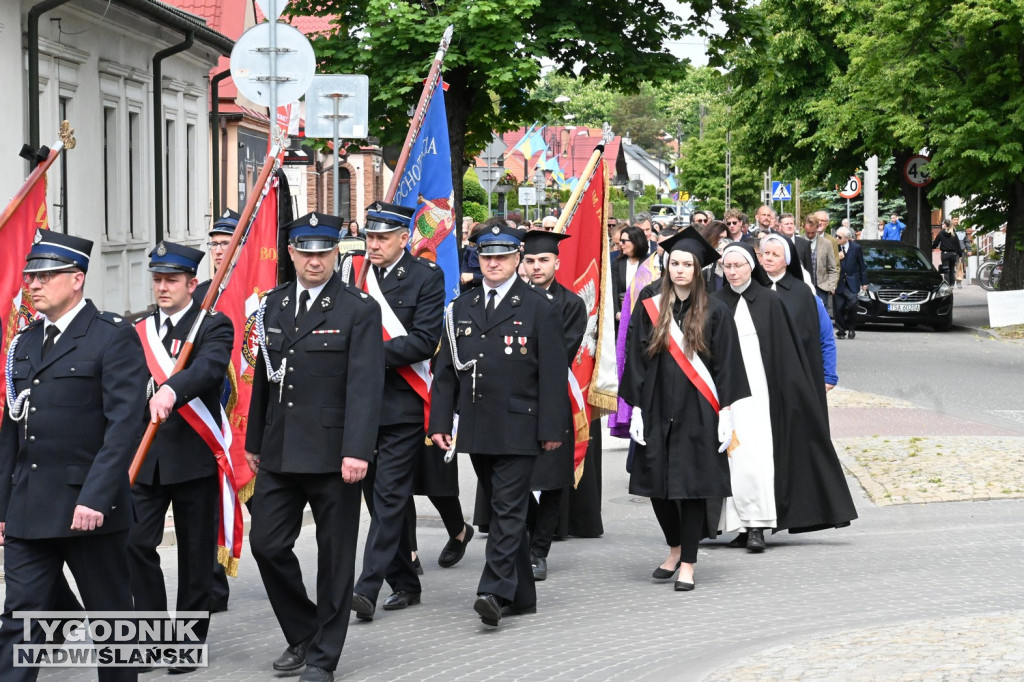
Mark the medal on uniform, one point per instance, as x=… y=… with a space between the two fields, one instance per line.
x=508 y=345
x=522 y=345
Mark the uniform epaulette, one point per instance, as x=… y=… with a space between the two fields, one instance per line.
x=111 y=318
x=279 y=287
x=543 y=293
x=358 y=293
x=425 y=261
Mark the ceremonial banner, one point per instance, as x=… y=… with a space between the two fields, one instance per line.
x=255 y=272
x=15 y=242
x=604 y=389
x=426 y=186
x=581 y=261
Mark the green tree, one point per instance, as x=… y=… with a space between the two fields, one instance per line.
x=589 y=103
x=702 y=167
x=495 y=58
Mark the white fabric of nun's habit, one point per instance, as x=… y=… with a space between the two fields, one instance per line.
x=752 y=464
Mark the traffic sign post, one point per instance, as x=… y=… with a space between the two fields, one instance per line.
x=489 y=174
x=349 y=97
x=851 y=190
x=915 y=171
x=782 y=191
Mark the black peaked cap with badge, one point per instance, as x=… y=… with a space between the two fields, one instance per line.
x=171 y=258
x=226 y=224
x=499 y=240
x=56 y=251
x=314 y=232
x=384 y=217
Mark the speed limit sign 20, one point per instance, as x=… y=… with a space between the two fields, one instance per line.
x=851 y=189
x=916 y=170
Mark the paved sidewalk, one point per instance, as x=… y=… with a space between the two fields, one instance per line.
x=909 y=591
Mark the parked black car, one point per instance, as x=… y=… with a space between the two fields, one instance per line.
x=904 y=287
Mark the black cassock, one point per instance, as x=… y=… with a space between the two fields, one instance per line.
x=681 y=459
x=810 y=488
x=798 y=299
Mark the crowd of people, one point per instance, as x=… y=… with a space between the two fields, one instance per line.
x=725 y=352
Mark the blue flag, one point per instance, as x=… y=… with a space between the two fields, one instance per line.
x=427 y=187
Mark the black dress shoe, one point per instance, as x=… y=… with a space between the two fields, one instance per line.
x=488 y=608
x=739 y=541
x=513 y=610
x=293 y=658
x=665 y=574
x=683 y=586
x=852 y=334
x=756 y=543
x=181 y=669
x=540 y=568
x=363 y=607
x=417 y=565
x=313 y=673
x=400 y=600
x=455 y=549
x=840 y=335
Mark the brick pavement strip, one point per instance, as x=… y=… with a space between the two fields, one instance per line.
x=966 y=648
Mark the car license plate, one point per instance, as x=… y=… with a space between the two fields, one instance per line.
x=904 y=307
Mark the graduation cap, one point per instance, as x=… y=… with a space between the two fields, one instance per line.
x=226 y=224
x=691 y=241
x=57 y=251
x=314 y=232
x=171 y=258
x=499 y=240
x=539 y=241
x=757 y=272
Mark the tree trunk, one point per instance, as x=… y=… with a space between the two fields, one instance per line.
x=919 y=212
x=458 y=100
x=1012 y=278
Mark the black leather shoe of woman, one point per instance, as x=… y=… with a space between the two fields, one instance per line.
x=664 y=573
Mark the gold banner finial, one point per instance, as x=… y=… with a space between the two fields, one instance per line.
x=67 y=135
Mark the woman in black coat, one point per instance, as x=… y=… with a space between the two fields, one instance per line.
x=683 y=371
x=632 y=250
x=949 y=249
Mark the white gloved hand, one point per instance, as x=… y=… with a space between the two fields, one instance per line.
x=636 y=426
x=724 y=429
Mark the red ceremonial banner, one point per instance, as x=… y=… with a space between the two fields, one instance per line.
x=15 y=242
x=581 y=259
x=254 y=274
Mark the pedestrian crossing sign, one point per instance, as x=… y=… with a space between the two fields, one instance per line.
x=781 y=192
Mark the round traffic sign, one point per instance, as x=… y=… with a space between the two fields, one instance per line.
x=851 y=189
x=250 y=63
x=916 y=170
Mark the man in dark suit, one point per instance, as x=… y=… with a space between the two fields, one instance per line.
x=410 y=291
x=313 y=417
x=554 y=472
x=502 y=368
x=77 y=388
x=853 y=278
x=181 y=469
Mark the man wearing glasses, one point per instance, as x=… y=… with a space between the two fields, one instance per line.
x=76 y=391
x=220 y=237
x=734 y=222
x=699 y=218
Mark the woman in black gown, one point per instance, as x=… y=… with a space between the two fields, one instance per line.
x=683 y=370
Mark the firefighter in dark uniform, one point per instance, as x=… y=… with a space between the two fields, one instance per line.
x=413 y=293
x=220 y=237
x=76 y=393
x=181 y=469
x=553 y=475
x=316 y=402
x=502 y=367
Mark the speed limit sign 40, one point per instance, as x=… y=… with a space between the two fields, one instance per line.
x=851 y=189
x=916 y=170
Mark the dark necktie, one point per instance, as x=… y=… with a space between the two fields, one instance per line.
x=51 y=338
x=380 y=272
x=303 y=304
x=169 y=327
x=492 y=303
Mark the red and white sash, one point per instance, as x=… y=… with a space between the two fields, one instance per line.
x=417 y=374
x=217 y=438
x=691 y=364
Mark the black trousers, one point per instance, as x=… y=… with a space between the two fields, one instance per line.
x=948 y=259
x=450 y=509
x=507 y=572
x=544 y=516
x=682 y=522
x=388 y=492
x=846 y=309
x=278 y=503
x=34 y=570
x=195 y=505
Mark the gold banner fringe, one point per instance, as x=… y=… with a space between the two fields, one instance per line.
x=578 y=474
x=229 y=562
x=246 y=492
